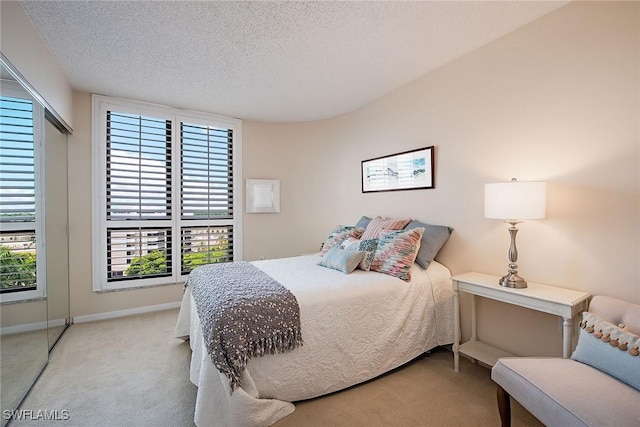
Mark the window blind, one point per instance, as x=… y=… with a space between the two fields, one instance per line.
x=205 y=245
x=138 y=167
x=18 y=269
x=18 y=261
x=17 y=165
x=135 y=253
x=206 y=172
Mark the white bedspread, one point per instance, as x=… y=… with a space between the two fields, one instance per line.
x=355 y=327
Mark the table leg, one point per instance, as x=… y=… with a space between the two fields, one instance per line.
x=474 y=324
x=456 y=329
x=567 y=332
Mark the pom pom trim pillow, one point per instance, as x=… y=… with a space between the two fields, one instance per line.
x=396 y=252
x=379 y=224
x=609 y=349
x=339 y=235
x=341 y=260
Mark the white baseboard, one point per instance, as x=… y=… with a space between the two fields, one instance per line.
x=27 y=327
x=31 y=327
x=128 y=312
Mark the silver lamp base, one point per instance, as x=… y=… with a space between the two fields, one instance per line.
x=512 y=280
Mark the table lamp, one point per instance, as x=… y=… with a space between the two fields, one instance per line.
x=513 y=202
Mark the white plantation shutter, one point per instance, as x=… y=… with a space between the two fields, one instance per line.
x=167 y=192
x=17 y=164
x=138 y=167
x=136 y=253
x=138 y=188
x=206 y=172
x=206 y=177
x=205 y=245
x=22 y=258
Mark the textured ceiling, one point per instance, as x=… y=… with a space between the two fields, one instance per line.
x=265 y=61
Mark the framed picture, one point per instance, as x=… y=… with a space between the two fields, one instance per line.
x=410 y=170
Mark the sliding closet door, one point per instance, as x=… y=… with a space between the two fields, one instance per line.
x=34 y=261
x=55 y=168
x=24 y=340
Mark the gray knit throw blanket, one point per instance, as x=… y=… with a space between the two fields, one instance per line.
x=244 y=313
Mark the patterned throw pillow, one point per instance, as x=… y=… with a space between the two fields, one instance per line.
x=396 y=252
x=609 y=349
x=339 y=235
x=367 y=246
x=379 y=224
x=350 y=242
x=341 y=260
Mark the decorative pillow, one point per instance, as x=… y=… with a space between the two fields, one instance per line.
x=341 y=260
x=379 y=224
x=396 y=252
x=363 y=222
x=366 y=246
x=339 y=235
x=433 y=239
x=609 y=348
x=350 y=242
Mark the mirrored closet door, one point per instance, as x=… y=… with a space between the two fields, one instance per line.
x=34 y=267
x=56 y=241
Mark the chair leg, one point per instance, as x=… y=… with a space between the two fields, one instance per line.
x=504 y=407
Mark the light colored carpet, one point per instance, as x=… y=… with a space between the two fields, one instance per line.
x=132 y=372
x=129 y=371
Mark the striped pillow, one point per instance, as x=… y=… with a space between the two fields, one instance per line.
x=396 y=252
x=379 y=224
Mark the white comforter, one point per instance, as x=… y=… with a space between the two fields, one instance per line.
x=355 y=327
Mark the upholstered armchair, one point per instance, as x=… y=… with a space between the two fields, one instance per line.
x=598 y=386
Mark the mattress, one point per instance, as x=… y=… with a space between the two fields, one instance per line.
x=354 y=326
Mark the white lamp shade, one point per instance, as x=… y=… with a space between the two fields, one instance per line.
x=515 y=200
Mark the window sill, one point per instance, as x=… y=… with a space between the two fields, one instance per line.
x=131 y=288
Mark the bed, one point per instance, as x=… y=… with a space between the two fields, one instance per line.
x=355 y=327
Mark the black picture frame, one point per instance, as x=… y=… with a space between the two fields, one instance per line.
x=409 y=170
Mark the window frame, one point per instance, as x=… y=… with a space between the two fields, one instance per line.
x=100 y=105
x=14 y=90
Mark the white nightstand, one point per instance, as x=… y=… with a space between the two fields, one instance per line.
x=565 y=303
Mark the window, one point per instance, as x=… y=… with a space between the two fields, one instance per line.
x=165 y=187
x=22 y=255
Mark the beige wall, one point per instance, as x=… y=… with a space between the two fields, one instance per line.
x=25 y=49
x=557 y=100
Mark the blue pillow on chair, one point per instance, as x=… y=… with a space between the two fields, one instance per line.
x=609 y=349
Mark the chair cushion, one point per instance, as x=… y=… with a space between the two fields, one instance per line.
x=563 y=392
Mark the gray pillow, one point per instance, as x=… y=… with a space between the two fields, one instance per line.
x=433 y=238
x=363 y=222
